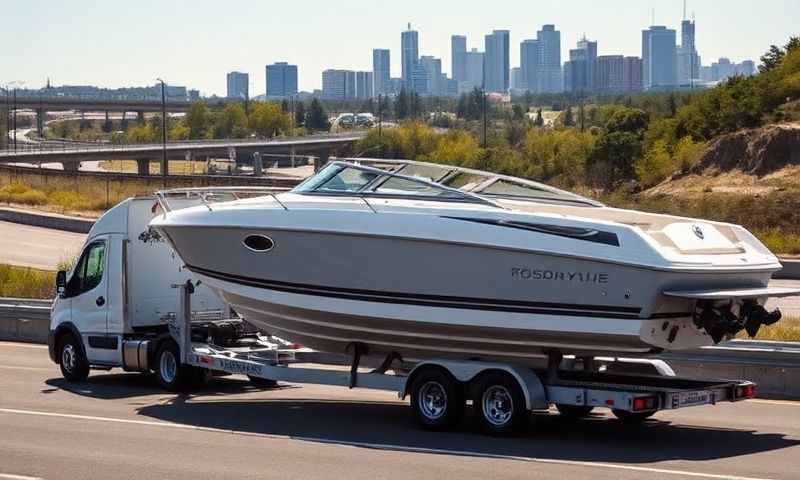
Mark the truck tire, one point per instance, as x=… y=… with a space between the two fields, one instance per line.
x=262 y=382
x=71 y=359
x=500 y=405
x=171 y=375
x=632 y=417
x=436 y=399
x=574 y=412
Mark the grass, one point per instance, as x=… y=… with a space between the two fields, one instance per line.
x=787 y=330
x=176 y=167
x=780 y=242
x=65 y=200
x=22 y=282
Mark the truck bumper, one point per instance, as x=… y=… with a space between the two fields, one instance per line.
x=51 y=345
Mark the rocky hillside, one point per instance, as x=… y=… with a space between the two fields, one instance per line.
x=749 y=162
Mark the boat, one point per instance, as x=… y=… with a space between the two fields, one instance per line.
x=424 y=260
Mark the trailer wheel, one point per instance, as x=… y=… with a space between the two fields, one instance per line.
x=73 y=363
x=436 y=399
x=263 y=382
x=632 y=417
x=500 y=404
x=574 y=412
x=171 y=375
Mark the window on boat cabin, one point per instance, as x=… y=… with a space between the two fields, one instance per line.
x=465 y=181
x=426 y=172
x=402 y=186
x=347 y=180
x=512 y=189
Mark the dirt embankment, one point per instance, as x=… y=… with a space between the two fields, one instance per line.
x=749 y=162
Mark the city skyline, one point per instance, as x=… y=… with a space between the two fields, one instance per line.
x=74 y=59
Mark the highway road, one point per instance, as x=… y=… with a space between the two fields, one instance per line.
x=120 y=426
x=37 y=247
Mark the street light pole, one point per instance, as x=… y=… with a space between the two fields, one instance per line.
x=164 y=167
x=15 y=120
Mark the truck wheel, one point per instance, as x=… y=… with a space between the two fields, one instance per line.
x=500 y=405
x=436 y=400
x=171 y=375
x=632 y=417
x=73 y=363
x=574 y=412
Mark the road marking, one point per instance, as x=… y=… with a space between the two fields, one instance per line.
x=22 y=345
x=11 y=367
x=18 y=477
x=381 y=446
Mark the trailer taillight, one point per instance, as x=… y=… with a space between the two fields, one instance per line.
x=642 y=404
x=746 y=391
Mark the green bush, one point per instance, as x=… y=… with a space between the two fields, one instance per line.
x=21 y=282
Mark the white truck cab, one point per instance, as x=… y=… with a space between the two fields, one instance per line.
x=95 y=321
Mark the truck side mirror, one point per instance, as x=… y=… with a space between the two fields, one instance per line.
x=61 y=282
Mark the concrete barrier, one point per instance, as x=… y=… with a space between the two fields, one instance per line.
x=46 y=220
x=23 y=320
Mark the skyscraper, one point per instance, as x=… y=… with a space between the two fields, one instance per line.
x=659 y=58
x=281 y=80
x=580 y=70
x=497 y=61
x=381 y=71
x=432 y=68
x=550 y=41
x=530 y=56
x=409 y=43
x=609 y=77
x=632 y=70
x=474 y=71
x=458 y=52
x=238 y=85
x=688 y=59
x=364 y=85
x=339 y=84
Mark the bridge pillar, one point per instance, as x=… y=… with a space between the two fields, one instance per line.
x=71 y=166
x=292 y=154
x=321 y=159
x=40 y=122
x=140 y=117
x=143 y=166
x=258 y=166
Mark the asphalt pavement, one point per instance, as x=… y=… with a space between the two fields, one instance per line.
x=37 y=247
x=121 y=426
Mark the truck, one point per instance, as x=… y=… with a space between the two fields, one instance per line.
x=128 y=302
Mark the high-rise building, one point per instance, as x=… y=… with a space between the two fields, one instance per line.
x=659 y=58
x=688 y=59
x=609 y=74
x=497 y=61
x=364 y=85
x=474 y=72
x=746 y=69
x=339 y=84
x=580 y=69
x=427 y=78
x=530 y=59
x=381 y=71
x=409 y=43
x=238 y=85
x=516 y=79
x=632 y=71
x=458 y=53
x=722 y=69
x=550 y=75
x=281 y=80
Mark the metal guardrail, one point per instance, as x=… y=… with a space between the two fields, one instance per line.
x=20 y=308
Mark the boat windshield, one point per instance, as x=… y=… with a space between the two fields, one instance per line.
x=398 y=178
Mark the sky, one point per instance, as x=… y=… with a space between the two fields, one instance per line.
x=196 y=42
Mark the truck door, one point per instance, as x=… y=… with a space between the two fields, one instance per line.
x=88 y=290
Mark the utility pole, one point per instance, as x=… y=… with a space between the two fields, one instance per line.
x=15 y=120
x=380 y=118
x=485 y=119
x=164 y=166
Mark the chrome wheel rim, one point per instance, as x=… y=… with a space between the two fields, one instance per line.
x=432 y=400
x=69 y=357
x=168 y=366
x=497 y=405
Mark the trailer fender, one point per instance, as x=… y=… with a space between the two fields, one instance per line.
x=465 y=371
x=53 y=335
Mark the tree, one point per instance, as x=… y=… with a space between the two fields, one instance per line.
x=401 y=105
x=233 y=122
x=267 y=119
x=317 y=119
x=300 y=114
x=655 y=166
x=569 y=120
x=775 y=54
x=518 y=114
x=197 y=120
x=284 y=106
x=539 y=121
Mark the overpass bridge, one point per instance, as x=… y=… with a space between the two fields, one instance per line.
x=70 y=156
